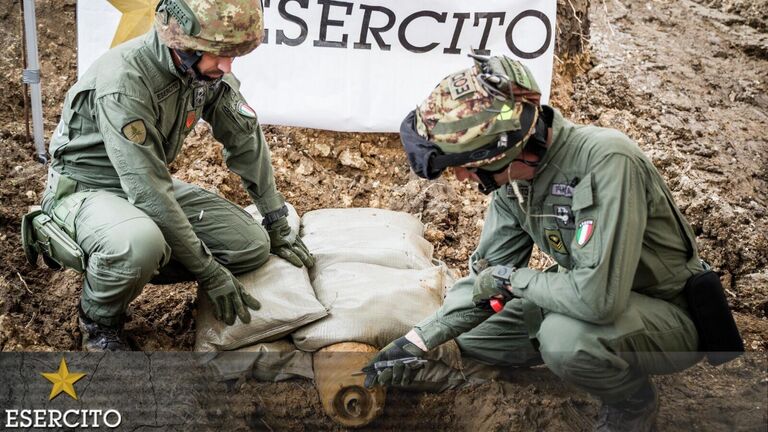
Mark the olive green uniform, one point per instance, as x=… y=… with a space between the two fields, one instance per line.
x=614 y=313
x=122 y=123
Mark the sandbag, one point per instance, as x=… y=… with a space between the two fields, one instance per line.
x=388 y=246
x=351 y=218
x=270 y=361
x=287 y=302
x=371 y=304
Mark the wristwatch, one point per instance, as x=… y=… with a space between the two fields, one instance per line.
x=273 y=216
x=501 y=275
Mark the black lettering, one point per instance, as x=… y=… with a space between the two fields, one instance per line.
x=488 y=17
x=375 y=31
x=265 y=5
x=460 y=18
x=280 y=37
x=533 y=54
x=325 y=23
x=439 y=17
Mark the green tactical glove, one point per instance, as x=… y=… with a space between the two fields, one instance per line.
x=228 y=296
x=287 y=245
x=395 y=364
x=492 y=284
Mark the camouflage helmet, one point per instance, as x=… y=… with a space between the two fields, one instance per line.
x=228 y=28
x=492 y=104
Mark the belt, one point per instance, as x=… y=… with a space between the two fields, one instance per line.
x=59 y=185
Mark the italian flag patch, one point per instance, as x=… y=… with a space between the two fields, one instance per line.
x=584 y=232
x=245 y=110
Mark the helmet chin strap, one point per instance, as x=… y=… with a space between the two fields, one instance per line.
x=188 y=62
x=536 y=144
x=487 y=183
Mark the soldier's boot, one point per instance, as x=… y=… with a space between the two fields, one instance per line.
x=635 y=414
x=98 y=337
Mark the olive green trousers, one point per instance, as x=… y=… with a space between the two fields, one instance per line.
x=126 y=249
x=609 y=361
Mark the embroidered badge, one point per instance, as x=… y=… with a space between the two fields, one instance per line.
x=245 y=110
x=555 y=240
x=564 y=215
x=135 y=131
x=584 y=232
x=511 y=191
x=191 y=119
x=562 y=189
x=199 y=96
x=461 y=84
x=167 y=91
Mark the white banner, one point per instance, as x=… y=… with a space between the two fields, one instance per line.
x=361 y=66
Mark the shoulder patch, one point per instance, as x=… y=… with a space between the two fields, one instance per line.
x=135 y=131
x=245 y=110
x=584 y=232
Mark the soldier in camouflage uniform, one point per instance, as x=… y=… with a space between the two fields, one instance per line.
x=123 y=122
x=612 y=311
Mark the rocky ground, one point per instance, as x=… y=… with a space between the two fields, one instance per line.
x=687 y=80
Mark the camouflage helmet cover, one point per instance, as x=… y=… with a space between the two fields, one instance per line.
x=475 y=107
x=228 y=28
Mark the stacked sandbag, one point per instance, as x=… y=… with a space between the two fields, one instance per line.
x=373 y=271
x=364 y=235
x=268 y=361
x=287 y=303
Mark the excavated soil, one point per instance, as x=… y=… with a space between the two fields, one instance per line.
x=687 y=80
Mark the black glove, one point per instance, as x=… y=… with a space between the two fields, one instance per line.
x=395 y=364
x=287 y=245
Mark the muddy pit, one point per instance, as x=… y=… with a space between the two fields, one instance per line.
x=687 y=80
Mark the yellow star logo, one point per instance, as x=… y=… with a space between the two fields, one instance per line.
x=136 y=20
x=63 y=381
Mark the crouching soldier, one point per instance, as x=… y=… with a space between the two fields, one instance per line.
x=109 y=189
x=616 y=308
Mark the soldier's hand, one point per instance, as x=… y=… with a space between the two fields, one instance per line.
x=228 y=296
x=397 y=363
x=287 y=245
x=492 y=282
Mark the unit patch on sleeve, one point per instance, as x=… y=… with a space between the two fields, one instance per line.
x=135 y=131
x=555 y=240
x=584 y=232
x=245 y=110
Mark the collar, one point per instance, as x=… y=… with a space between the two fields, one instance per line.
x=560 y=129
x=163 y=55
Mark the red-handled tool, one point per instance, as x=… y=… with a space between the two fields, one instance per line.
x=497 y=305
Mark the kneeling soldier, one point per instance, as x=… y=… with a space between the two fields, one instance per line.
x=613 y=311
x=109 y=187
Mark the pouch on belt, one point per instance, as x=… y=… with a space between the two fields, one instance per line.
x=719 y=337
x=54 y=236
x=41 y=235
